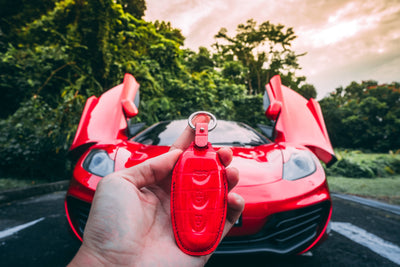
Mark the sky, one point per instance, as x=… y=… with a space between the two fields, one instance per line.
x=344 y=40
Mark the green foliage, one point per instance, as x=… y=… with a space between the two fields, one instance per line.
x=355 y=164
x=55 y=54
x=135 y=7
x=308 y=91
x=250 y=105
x=42 y=70
x=200 y=61
x=7 y=183
x=260 y=52
x=348 y=168
x=15 y=14
x=33 y=140
x=71 y=50
x=386 y=189
x=364 y=116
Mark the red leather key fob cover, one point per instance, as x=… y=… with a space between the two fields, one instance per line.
x=198 y=200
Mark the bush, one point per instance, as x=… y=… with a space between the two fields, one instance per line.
x=385 y=166
x=34 y=142
x=348 y=168
x=361 y=165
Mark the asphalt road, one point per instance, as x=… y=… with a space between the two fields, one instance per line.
x=34 y=232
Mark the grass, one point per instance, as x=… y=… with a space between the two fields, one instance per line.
x=10 y=183
x=371 y=175
x=384 y=189
x=360 y=156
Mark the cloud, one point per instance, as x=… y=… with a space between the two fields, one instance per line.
x=359 y=41
x=348 y=21
x=345 y=40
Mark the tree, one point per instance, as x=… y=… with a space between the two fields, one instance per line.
x=263 y=50
x=134 y=7
x=166 y=29
x=234 y=71
x=308 y=91
x=16 y=14
x=67 y=53
x=197 y=62
x=73 y=49
x=364 y=116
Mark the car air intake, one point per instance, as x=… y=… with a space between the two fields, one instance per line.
x=78 y=211
x=284 y=233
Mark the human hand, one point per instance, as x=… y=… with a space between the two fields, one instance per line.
x=130 y=219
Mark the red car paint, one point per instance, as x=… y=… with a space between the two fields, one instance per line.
x=280 y=216
x=104 y=119
x=298 y=121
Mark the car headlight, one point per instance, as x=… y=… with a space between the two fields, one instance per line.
x=99 y=163
x=299 y=165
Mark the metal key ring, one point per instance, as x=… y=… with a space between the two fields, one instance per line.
x=213 y=119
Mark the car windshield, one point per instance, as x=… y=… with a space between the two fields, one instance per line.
x=227 y=133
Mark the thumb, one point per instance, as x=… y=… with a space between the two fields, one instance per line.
x=151 y=171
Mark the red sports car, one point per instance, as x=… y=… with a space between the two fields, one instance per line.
x=288 y=205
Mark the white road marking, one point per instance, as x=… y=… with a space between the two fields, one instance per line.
x=382 y=247
x=15 y=229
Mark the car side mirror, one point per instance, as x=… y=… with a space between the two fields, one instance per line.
x=272 y=109
x=130 y=96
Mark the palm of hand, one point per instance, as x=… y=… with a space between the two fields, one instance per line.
x=118 y=206
x=130 y=219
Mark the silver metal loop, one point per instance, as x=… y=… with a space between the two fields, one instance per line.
x=212 y=123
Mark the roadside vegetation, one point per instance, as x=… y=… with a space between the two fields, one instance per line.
x=356 y=164
x=372 y=175
x=54 y=54
x=12 y=183
x=383 y=189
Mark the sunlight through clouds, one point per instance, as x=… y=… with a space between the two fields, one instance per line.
x=344 y=40
x=187 y=13
x=346 y=23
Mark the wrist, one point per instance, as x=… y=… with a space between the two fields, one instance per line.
x=85 y=258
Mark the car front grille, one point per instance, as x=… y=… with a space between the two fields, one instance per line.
x=78 y=212
x=284 y=233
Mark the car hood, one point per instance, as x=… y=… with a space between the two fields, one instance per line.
x=256 y=165
x=260 y=165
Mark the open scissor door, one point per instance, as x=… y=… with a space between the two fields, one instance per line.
x=297 y=120
x=104 y=119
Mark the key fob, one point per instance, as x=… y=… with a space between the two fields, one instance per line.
x=199 y=196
